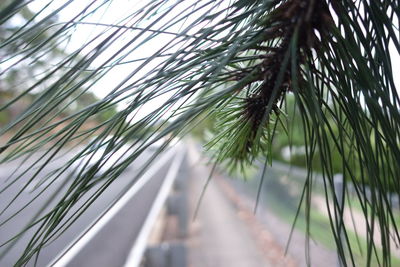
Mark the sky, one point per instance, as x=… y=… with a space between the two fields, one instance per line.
x=112 y=13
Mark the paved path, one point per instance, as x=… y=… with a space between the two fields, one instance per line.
x=228 y=233
x=277 y=231
x=218 y=236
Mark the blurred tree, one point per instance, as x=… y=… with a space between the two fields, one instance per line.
x=22 y=67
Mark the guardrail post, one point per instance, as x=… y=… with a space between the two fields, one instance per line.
x=177 y=255
x=156 y=257
x=166 y=255
x=176 y=205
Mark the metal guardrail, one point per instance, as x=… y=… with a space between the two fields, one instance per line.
x=138 y=248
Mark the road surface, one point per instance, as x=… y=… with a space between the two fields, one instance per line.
x=111 y=244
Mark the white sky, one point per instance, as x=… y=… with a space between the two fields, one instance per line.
x=112 y=13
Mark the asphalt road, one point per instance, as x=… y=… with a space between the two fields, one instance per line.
x=112 y=243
